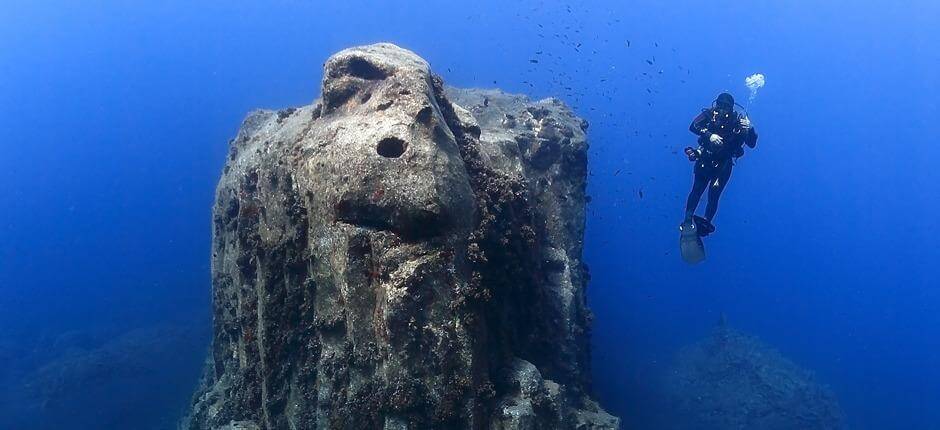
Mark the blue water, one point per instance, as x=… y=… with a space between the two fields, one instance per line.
x=114 y=118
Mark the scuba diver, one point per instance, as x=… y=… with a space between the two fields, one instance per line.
x=722 y=134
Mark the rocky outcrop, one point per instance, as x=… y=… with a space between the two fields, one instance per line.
x=401 y=256
x=733 y=381
x=94 y=379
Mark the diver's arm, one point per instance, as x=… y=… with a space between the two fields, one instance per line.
x=751 y=138
x=699 y=124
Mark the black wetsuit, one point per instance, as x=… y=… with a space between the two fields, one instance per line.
x=713 y=166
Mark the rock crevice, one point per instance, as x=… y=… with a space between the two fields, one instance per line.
x=401 y=255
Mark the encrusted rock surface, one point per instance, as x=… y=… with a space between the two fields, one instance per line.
x=401 y=256
x=733 y=381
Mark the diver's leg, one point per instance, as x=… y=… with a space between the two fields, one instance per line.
x=699 y=183
x=715 y=187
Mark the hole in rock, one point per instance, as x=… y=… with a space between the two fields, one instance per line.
x=424 y=115
x=362 y=68
x=391 y=147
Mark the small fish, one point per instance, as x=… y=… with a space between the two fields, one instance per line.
x=640 y=192
x=650 y=62
x=628 y=43
x=534 y=61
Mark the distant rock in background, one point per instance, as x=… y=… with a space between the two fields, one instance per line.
x=401 y=256
x=733 y=381
x=87 y=380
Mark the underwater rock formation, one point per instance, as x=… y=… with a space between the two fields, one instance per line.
x=131 y=355
x=733 y=381
x=401 y=256
x=70 y=380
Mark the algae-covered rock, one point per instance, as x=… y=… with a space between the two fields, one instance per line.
x=383 y=257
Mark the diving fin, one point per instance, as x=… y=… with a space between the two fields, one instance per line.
x=690 y=243
x=704 y=226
